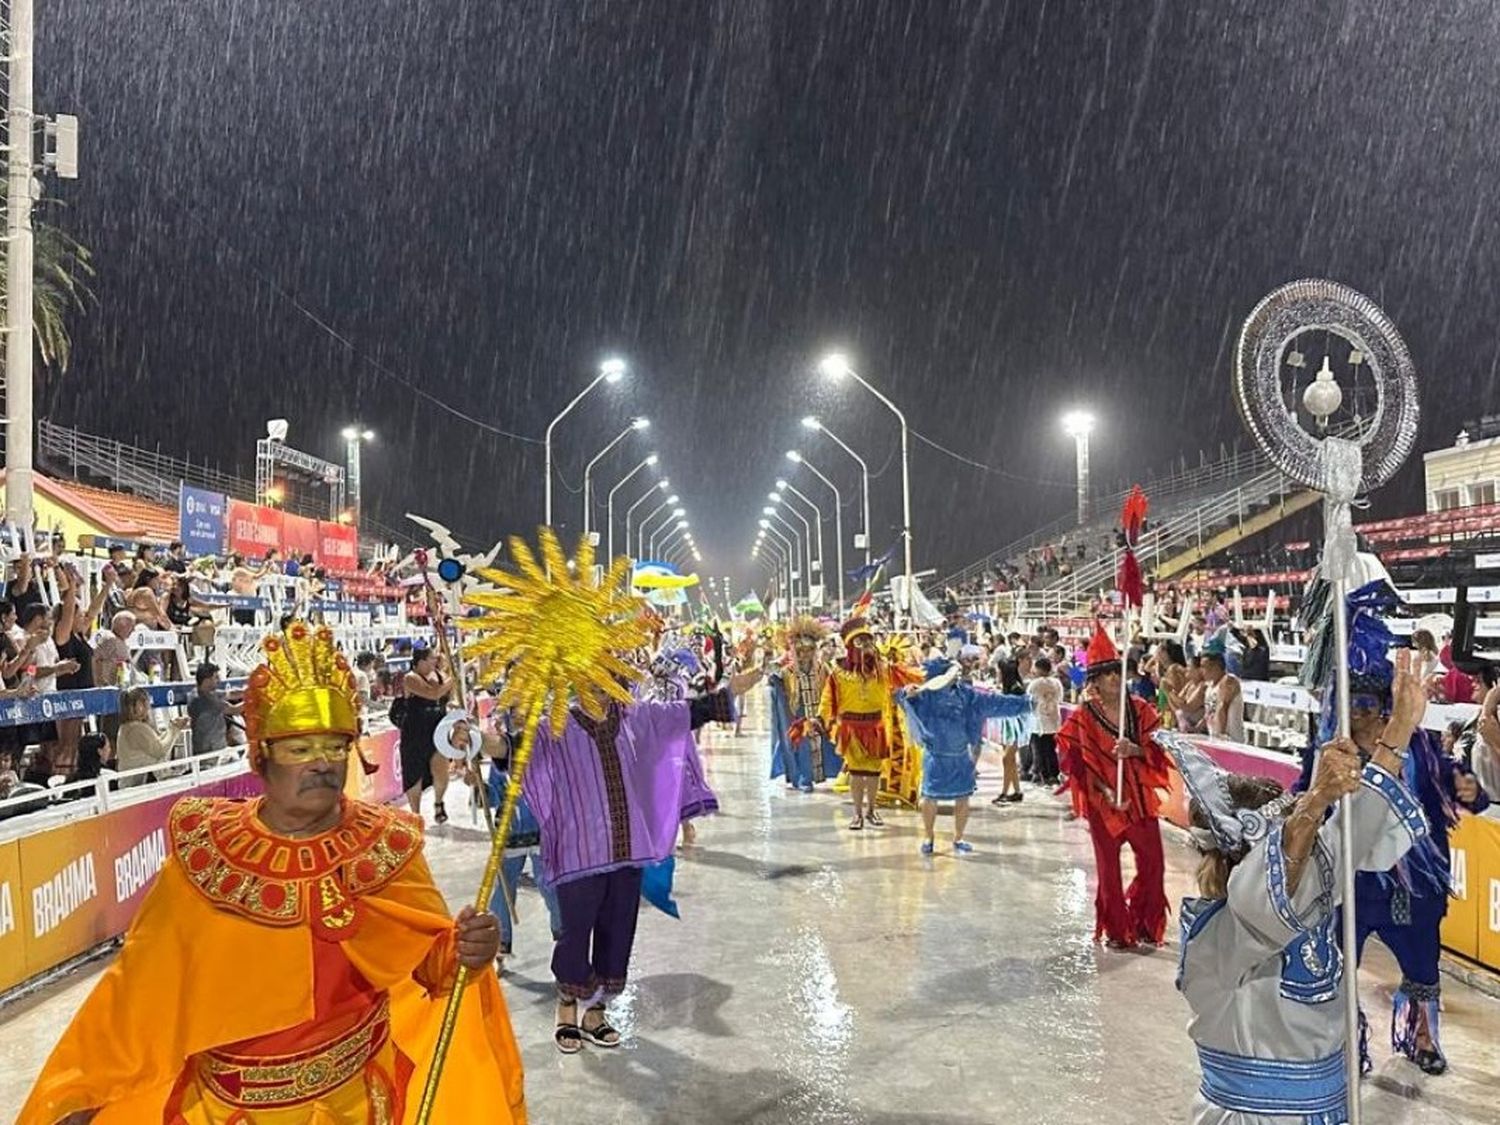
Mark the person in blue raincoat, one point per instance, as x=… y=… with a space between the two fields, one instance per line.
x=946 y=716
x=800 y=749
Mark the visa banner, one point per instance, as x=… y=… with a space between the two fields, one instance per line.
x=201 y=520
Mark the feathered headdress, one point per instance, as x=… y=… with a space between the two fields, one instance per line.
x=1129 y=581
x=305 y=687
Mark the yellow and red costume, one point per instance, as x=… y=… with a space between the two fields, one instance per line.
x=859 y=711
x=271 y=980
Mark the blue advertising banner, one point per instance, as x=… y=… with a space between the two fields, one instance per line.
x=201 y=520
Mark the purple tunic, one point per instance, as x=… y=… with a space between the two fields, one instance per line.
x=611 y=794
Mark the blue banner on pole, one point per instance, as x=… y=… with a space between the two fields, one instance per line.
x=201 y=520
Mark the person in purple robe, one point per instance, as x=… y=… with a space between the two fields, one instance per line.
x=610 y=794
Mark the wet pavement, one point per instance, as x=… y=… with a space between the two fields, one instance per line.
x=825 y=977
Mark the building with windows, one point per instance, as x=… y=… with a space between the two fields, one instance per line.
x=1466 y=474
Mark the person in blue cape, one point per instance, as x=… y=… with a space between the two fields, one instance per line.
x=800 y=749
x=1404 y=905
x=946 y=715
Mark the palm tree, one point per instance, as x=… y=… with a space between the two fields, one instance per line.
x=63 y=267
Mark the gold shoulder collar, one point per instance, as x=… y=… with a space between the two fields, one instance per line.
x=239 y=865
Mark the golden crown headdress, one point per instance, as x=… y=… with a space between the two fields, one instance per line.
x=304 y=687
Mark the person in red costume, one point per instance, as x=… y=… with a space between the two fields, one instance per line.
x=1091 y=744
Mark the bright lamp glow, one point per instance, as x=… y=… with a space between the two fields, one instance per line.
x=811 y=423
x=672 y=499
x=679 y=512
x=640 y=423
x=781 y=485
x=767 y=511
x=834 y=365
x=613 y=369
x=664 y=484
x=651 y=459
x=1077 y=423
x=775 y=497
x=793 y=456
x=764 y=524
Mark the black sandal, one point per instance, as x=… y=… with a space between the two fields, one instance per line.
x=603 y=1035
x=873 y=818
x=567 y=1036
x=857 y=824
x=439 y=813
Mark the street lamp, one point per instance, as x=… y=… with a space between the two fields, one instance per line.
x=662 y=484
x=1078 y=425
x=667 y=532
x=801 y=540
x=609 y=505
x=636 y=425
x=781 y=501
x=836 y=366
x=611 y=371
x=641 y=531
x=784 y=486
x=789 y=554
x=354 y=437
x=812 y=423
x=796 y=458
x=670 y=537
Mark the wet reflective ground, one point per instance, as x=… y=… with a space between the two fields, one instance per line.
x=825 y=976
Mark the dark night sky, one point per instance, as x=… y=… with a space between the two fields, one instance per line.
x=999 y=208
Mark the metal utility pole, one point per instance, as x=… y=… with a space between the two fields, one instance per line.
x=19 y=267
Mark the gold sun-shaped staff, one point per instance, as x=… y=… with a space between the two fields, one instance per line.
x=556 y=636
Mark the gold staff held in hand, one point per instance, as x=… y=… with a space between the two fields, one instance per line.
x=554 y=633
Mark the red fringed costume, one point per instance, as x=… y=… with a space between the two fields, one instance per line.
x=1086 y=746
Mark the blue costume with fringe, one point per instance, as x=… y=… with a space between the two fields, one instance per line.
x=807 y=761
x=1405 y=905
x=948 y=723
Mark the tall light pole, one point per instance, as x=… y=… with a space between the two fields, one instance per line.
x=677 y=513
x=784 y=486
x=665 y=533
x=801 y=540
x=781 y=502
x=812 y=423
x=610 y=371
x=671 y=539
x=636 y=425
x=835 y=366
x=609 y=506
x=650 y=494
x=796 y=458
x=1078 y=425
x=790 y=554
x=354 y=438
x=20 y=265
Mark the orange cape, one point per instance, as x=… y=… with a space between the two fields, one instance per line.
x=195 y=975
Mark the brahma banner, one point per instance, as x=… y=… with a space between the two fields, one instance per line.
x=253 y=530
x=338 y=546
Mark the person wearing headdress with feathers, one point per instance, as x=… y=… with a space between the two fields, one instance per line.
x=1404 y=906
x=800 y=750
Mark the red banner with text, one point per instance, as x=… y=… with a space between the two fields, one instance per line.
x=338 y=547
x=300 y=536
x=254 y=530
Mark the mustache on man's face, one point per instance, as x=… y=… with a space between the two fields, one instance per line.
x=319 y=781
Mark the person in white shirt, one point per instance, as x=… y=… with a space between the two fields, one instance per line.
x=1224 y=703
x=1046 y=697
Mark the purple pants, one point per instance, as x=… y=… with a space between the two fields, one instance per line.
x=598 y=931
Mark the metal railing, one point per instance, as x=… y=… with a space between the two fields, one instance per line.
x=157 y=476
x=1176 y=484
x=1073 y=591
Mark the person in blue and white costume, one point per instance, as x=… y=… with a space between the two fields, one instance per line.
x=1261 y=966
x=1404 y=907
x=946 y=715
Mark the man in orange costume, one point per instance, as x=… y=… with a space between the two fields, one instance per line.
x=1091 y=744
x=290 y=964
